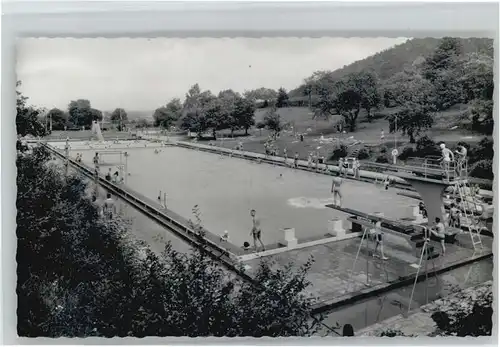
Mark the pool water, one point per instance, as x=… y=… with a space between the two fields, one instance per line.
x=226 y=189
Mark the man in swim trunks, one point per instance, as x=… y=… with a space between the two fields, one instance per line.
x=377 y=231
x=345 y=166
x=438 y=231
x=296 y=160
x=109 y=207
x=96 y=160
x=454 y=216
x=461 y=158
x=336 y=183
x=446 y=158
x=256 y=231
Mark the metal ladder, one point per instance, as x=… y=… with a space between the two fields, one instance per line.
x=472 y=222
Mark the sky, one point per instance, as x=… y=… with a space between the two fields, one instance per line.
x=143 y=74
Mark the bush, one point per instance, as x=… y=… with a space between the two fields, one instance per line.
x=260 y=125
x=383 y=149
x=382 y=159
x=425 y=146
x=339 y=152
x=482 y=169
x=363 y=154
x=406 y=153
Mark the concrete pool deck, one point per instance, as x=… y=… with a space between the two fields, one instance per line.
x=333 y=284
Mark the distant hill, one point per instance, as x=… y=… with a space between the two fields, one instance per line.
x=393 y=60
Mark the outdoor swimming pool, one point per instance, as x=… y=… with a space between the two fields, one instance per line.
x=226 y=189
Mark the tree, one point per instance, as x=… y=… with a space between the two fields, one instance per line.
x=366 y=84
x=27 y=117
x=143 y=123
x=91 y=279
x=416 y=100
x=443 y=58
x=478 y=86
x=347 y=96
x=192 y=97
x=59 y=118
x=226 y=116
x=167 y=115
x=81 y=113
x=282 y=98
x=119 y=115
x=272 y=120
x=244 y=113
x=265 y=94
x=442 y=68
x=260 y=125
x=199 y=111
x=476 y=76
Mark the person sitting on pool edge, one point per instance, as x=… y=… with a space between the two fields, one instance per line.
x=224 y=237
x=256 y=231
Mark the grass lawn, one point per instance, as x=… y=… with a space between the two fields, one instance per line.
x=367 y=132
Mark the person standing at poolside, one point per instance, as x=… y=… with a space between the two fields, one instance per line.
x=296 y=160
x=378 y=239
x=109 y=207
x=336 y=183
x=461 y=158
x=446 y=158
x=438 y=231
x=96 y=160
x=309 y=160
x=345 y=166
x=454 y=217
x=256 y=230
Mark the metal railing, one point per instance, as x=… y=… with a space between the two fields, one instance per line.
x=432 y=166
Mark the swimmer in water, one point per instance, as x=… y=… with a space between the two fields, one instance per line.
x=336 y=183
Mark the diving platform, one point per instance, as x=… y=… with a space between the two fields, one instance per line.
x=430 y=179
